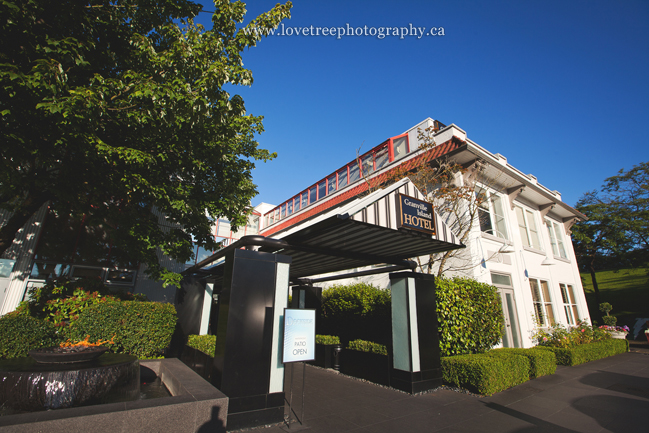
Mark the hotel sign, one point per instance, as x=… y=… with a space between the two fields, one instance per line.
x=415 y=214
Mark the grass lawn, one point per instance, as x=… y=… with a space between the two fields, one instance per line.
x=627 y=290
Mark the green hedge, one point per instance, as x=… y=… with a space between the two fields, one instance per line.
x=470 y=316
x=326 y=339
x=542 y=362
x=367 y=346
x=485 y=374
x=143 y=329
x=21 y=333
x=588 y=352
x=203 y=343
x=356 y=311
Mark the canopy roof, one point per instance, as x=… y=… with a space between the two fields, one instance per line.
x=362 y=232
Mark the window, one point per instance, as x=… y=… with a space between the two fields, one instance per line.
x=542 y=302
x=556 y=239
x=342 y=178
x=368 y=164
x=322 y=189
x=313 y=191
x=305 y=199
x=400 y=147
x=6 y=266
x=283 y=211
x=491 y=215
x=381 y=157
x=569 y=303
x=527 y=227
x=289 y=207
x=253 y=225
x=354 y=175
x=331 y=184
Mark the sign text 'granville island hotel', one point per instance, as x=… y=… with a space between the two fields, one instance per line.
x=415 y=214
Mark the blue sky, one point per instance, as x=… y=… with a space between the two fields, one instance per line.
x=558 y=87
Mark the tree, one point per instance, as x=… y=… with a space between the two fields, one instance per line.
x=111 y=110
x=617 y=231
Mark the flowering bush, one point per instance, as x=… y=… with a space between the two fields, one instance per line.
x=608 y=328
x=559 y=336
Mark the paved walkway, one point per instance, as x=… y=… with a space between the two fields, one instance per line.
x=608 y=395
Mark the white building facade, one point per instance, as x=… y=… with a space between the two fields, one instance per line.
x=521 y=243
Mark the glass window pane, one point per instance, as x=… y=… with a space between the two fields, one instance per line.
x=368 y=164
x=553 y=239
x=534 y=235
x=253 y=225
x=120 y=276
x=313 y=191
x=485 y=221
x=6 y=266
x=342 y=178
x=80 y=272
x=305 y=199
x=381 y=157
x=282 y=213
x=501 y=280
x=289 y=207
x=564 y=294
x=46 y=271
x=322 y=189
x=499 y=216
x=354 y=174
x=562 y=250
x=549 y=314
x=546 y=291
x=400 y=147
x=574 y=312
x=571 y=294
x=331 y=184
x=202 y=254
x=536 y=295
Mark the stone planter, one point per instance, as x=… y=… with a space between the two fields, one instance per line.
x=365 y=365
x=618 y=334
x=198 y=361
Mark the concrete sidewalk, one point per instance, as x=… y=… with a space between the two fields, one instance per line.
x=608 y=395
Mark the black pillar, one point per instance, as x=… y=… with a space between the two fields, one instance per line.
x=306 y=297
x=247 y=364
x=415 y=342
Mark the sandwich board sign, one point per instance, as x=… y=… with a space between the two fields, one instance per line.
x=299 y=335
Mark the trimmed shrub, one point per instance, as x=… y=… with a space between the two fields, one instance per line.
x=542 y=362
x=485 y=374
x=588 y=352
x=326 y=339
x=143 y=329
x=203 y=343
x=367 y=346
x=470 y=316
x=356 y=311
x=20 y=333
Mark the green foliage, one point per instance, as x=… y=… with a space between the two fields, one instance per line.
x=203 y=343
x=470 y=316
x=588 y=352
x=605 y=307
x=20 y=333
x=367 y=346
x=542 y=362
x=143 y=329
x=559 y=336
x=112 y=110
x=326 y=339
x=485 y=374
x=356 y=311
x=61 y=301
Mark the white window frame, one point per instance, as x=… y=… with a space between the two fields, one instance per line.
x=569 y=303
x=525 y=228
x=543 y=308
x=556 y=239
x=488 y=209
